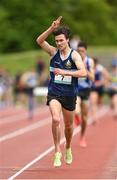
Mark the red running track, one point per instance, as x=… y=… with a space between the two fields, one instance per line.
x=26 y=148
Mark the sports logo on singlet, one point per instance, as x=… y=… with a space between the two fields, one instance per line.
x=68 y=64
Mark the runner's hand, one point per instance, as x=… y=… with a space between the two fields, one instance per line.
x=58 y=71
x=56 y=23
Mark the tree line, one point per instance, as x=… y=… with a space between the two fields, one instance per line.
x=22 y=20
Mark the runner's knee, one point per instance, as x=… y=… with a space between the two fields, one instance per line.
x=55 y=121
x=68 y=124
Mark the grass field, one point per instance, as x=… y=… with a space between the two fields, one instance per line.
x=20 y=62
x=23 y=61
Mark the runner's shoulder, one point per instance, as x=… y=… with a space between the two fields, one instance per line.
x=76 y=55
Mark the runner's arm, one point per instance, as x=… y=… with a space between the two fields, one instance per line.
x=41 y=38
x=81 y=72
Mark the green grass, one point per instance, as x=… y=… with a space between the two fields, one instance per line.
x=102 y=49
x=20 y=62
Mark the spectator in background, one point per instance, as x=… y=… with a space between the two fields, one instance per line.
x=42 y=73
x=40 y=66
x=24 y=85
x=29 y=81
x=5 y=88
x=18 y=89
x=74 y=42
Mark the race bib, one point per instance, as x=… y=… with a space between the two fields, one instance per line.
x=60 y=79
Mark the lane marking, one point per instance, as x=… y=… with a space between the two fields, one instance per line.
x=23 y=115
x=26 y=129
x=38 y=158
x=14 y=118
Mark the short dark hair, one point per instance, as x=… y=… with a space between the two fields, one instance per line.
x=62 y=30
x=82 y=44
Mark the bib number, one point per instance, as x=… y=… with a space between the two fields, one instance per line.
x=60 y=79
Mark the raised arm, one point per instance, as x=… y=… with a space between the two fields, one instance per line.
x=42 y=37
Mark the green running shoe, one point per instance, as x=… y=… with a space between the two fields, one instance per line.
x=68 y=156
x=57 y=159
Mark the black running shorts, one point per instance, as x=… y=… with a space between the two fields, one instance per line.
x=84 y=94
x=67 y=102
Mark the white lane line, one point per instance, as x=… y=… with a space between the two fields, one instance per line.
x=10 y=119
x=23 y=115
x=101 y=113
x=39 y=157
x=26 y=129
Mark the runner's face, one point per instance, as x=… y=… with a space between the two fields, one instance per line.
x=61 y=41
x=82 y=51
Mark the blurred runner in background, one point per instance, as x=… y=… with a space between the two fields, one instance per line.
x=112 y=88
x=102 y=78
x=84 y=88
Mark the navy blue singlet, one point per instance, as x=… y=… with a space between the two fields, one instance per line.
x=62 y=85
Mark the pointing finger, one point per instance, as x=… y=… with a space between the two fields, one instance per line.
x=59 y=18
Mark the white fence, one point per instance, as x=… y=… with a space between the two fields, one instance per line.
x=40 y=91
